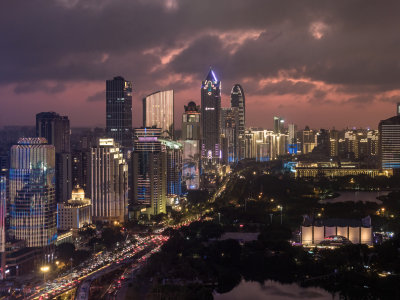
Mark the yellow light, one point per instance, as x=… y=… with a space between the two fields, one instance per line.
x=44 y=269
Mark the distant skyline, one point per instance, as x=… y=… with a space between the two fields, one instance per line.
x=319 y=63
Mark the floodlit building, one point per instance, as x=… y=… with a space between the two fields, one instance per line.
x=33 y=208
x=3 y=212
x=238 y=101
x=75 y=213
x=149 y=171
x=335 y=169
x=174 y=167
x=389 y=141
x=108 y=181
x=119 y=110
x=191 y=141
x=158 y=111
x=314 y=232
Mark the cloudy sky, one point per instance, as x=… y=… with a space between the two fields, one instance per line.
x=318 y=63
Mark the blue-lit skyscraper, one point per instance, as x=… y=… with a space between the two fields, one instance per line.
x=149 y=171
x=33 y=208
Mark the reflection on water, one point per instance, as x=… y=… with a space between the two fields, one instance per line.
x=357 y=196
x=273 y=290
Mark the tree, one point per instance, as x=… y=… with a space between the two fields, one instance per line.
x=65 y=251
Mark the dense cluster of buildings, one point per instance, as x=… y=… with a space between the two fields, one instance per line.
x=51 y=183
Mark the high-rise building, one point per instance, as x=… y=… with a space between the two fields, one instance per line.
x=191 y=140
x=158 y=111
x=308 y=140
x=292 y=147
x=191 y=122
x=229 y=135
x=279 y=125
x=119 y=111
x=238 y=100
x=149 y=171
x=174 y=168
x=3 y=212
x=210 y=119
x=56 y=130
x=33 y=208
x=108 y=181
x=389 y=143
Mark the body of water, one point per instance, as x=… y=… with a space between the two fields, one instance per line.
x=356 y=196
x=273 y=290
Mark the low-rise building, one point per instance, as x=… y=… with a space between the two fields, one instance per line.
x=76 y=212
x=335 y=169
x=315 y=232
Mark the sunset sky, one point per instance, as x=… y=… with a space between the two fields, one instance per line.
x=316 y=63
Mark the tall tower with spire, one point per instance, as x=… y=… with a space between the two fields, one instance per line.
x=210 y=119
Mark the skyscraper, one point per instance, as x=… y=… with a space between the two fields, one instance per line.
x=158 y=111
x=174 y=167
x=191 y=122
x=32 y=186
x=108 y=181
x=279 y=125
x=230 y=137
x=119 y=110
x=210 y=119
x=191 y=139
x=56 y=130
x=149 y=171
x=389 y=141
x=238 y=100
x=3 y=211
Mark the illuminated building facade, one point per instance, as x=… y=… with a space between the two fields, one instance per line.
x=210 y=120
x=335 y=169
x=238 y=101
x=191 y=128
x=158 y=111
x=149 y=171
x=33 y=208
x=56 y=130
x=119 y=110
x=229 y=135
x=75 y=213
x=174 y=167
x=108 y=181
x=3 y=212
x=319 y=231
x=279 y=125
x=191 y=140
x=308 y=140
x=389 y=141
x=264 y=145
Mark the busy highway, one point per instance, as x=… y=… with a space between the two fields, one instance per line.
x=100 y=264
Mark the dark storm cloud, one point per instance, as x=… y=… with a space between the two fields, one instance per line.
x=346 y=43
x=31 y=87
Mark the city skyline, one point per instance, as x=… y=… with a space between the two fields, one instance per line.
x=292 y=60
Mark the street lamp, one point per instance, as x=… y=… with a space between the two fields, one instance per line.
x=280 y=207
x=44 y=269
